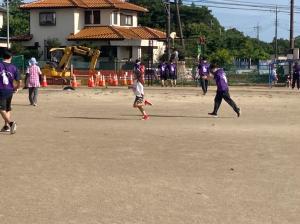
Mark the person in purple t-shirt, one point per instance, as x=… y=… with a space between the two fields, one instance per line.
x=219 y=76
x=203 y=69
x=8 y=74
x=172 y=73
x=296 y=76
x=163 y=73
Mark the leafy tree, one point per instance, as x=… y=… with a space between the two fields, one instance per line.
x=19 y=19
x=222 y=57
x=53 y=42
x=19 y=49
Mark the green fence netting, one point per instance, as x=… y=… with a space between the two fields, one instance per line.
x=18 y=61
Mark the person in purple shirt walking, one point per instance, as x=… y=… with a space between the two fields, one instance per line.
x=8 y=74
x=219 y=76
x=203 y=69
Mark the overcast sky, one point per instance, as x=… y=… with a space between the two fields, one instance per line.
x=245 y=21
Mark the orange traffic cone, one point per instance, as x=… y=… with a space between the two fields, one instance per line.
x=99 y=80
x=91 y=82
x=130 y=80
x=124 y=83
x=103 y=81
x=115 y=80
x=110 y=80
x=44 y=82
x=74 y=83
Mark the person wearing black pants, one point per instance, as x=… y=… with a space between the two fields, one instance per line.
x=204 y=84
x=296 y=80
x=296 y=76
x=222 y=91
x=203 y=69
x=226 y=96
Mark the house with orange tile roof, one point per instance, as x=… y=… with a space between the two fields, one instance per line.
x=110 y=25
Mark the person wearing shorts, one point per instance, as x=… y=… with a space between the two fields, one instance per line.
x=139 y=102
x=8 y=74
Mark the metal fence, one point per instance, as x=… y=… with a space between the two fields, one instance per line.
x=252 y=75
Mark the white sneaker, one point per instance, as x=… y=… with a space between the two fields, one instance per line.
x=13 y=127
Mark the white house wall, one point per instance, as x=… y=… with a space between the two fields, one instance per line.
x=64 y=26
x=157 y=52
x=1 y=20
x=136 y=52
x=78 y=20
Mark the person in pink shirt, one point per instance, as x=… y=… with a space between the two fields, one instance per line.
x=33 y=81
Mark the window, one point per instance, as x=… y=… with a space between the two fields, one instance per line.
x=47 y=19
x=115 y=18
x=88 y=17
x=92 y=17
x=126 y=20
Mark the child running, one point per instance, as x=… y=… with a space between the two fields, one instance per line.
x=219 y=76
x=138 y=90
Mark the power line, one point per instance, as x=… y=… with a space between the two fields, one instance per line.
x=242 y=3
x=239 y=6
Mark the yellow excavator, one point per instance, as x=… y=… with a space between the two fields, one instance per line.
x=59 y=66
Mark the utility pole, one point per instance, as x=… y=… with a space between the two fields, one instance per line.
x=292 y=40
x=168 y=28
x=7 y=19
x=257 y=28
x=179 y=24
x=276 y=34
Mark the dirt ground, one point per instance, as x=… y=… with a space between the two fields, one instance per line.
x=85 y=157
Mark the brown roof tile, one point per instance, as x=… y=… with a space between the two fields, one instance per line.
x=117 y=33
x=112 y=4
x=105 y=32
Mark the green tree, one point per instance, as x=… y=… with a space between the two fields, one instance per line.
x=53 y=42
x=19 y=49
x=222 y=58
x=19 y=19
x=199 y=21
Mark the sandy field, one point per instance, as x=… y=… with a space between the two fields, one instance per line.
x=85 y=157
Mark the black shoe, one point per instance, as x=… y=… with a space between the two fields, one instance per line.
x=5 y=128
x=239 y=112
x=213 y=114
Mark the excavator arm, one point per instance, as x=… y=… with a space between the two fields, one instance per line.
x=63 y=64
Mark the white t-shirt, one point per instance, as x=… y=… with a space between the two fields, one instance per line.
x=138 y=88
